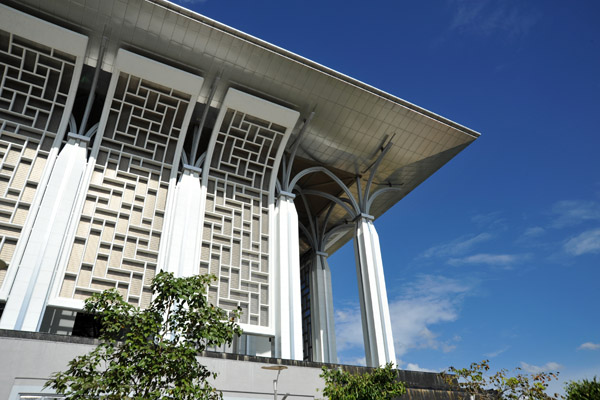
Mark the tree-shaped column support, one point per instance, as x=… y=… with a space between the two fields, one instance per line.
x=290 y=329
x=321 y=298
x=323 y=332
x=183 y=245
x=377 y=327
x=181 y=248
x=37 y=268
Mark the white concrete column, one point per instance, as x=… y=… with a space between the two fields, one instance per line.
x=37 y=267
x=321 y=311
x=183 y=238
x=377 y=328
x=288 y=311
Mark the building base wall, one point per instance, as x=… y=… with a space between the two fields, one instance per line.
x=29 y=358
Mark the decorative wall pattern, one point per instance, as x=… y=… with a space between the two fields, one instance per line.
x=118 y=236
x=307 y=340
x=34 y=85
x=235 y=243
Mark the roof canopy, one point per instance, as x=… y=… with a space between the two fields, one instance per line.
x=352 y=122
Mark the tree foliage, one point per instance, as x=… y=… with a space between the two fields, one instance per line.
x=380 y=384
x=501 y=385
x=151 y=353
x=583 y=390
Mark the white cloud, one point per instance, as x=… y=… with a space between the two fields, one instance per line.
x=457 y=246
x=586 y=242
x=415 y=367
x=573 y=212
x=348 y=328
x=467 y=14
x=498 y=260
x=531 y=235
x=534 y=231
x=485 y=18
x=412 y=320
x=491 y=220
x=535 y=369
x=589 y=346
x=361 y=361
x=497 y=352
x=426 y=302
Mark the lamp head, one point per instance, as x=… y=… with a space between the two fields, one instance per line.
x=274 y=367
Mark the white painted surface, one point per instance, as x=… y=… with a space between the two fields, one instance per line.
x=288 y=342
x=41 y=31
x=152 y=71
x=183 y=236
x=377 y=327
x=51 y=35
x=323 y=331
x=26 y=363
x=37 y=268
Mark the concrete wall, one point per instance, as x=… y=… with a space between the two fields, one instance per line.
x=27 y=359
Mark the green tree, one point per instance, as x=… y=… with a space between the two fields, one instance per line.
x=583 y=390
x=380 y=384
x=151 y=353
x=501 y=385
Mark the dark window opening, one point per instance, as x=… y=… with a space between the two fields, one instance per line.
x=81 y=98
x=209 y=124
x=87 y=325
x=305 y=304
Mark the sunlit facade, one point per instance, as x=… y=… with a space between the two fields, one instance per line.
x=139 y=136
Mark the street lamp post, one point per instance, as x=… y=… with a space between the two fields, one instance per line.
x=277 y=368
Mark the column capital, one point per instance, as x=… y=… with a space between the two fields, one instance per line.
x=287 y=195
x=192 y=169
x=77 y=139
x=362 y=216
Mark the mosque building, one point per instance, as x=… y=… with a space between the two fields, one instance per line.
x=138 y=136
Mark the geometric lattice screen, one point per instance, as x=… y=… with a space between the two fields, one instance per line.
x=118 y=234
x=34 y=85
x=235 y=240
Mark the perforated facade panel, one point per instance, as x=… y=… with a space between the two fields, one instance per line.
x=118 y=235
x=236 y=224
x=239 y=189
x=34 y=85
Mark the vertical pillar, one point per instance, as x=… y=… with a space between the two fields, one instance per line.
x=377 y=328
x=183 y=244
x=288 y=299
x=321 y=309
x=36 y=268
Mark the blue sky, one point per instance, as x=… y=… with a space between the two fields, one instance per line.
x=498 y=253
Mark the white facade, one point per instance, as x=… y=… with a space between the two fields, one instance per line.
x=377 y=327
x=29 y=360
x=119 y=159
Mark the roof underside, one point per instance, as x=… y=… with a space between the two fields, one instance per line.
x=352 y=120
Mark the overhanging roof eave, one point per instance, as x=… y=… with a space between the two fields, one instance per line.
x=312 y=64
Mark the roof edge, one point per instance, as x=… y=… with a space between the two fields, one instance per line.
x=312 y=64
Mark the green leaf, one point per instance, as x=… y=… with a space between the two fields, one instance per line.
x=150 y=353
x=379 y=384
